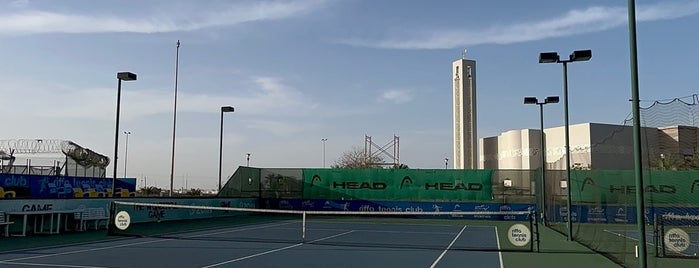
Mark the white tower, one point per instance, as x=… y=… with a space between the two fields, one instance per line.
x=464 y=90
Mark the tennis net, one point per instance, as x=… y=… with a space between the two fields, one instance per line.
x=459 y=230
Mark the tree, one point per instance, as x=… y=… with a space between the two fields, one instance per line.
x=355 y=158
x=194 y=192
x=149 y=191
x=692 y=162
x=671 y=162
x=401 y=166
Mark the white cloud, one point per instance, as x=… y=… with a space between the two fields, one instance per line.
x=271 y=97
x=592 y=19
x=37 y=21
x=397 y=96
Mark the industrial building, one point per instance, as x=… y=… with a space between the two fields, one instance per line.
x=593 y=146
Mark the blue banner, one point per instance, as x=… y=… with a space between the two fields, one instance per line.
x=627 y=214
x=40 y=186
x=398 y=206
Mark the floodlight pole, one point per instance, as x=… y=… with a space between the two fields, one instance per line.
x=126 y=151
x=542 y=211
x=569 y=209
x=553 y=57
x=324 y=140
x=224 y=109
x=127 y=76
x=116 y=137
x=638 y=161
x=541 y=208
x=174 y=120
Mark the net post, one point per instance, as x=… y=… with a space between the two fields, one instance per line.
x=112 y=214
x=661 y=242
x=531 y=227
x=303 y=226
x=655 y=234
x=536 y=227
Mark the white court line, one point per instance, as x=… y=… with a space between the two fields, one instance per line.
x=50 y=265
x=392 y=223
x=274 y=250
x=649 y=243
x=133 y=244
x=497 y=238
x=448 y=247
x=628 y=237
x=372 y=231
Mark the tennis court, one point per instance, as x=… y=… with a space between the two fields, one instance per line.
x=277 y=244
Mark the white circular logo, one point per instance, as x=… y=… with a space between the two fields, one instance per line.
x=676 y=240
x=122 y=220
x=519 y=235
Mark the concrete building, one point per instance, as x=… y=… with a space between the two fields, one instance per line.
x=593 y=146
x=464 y=108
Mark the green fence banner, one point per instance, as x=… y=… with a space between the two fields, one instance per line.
x=398 y=184
x=619 y=187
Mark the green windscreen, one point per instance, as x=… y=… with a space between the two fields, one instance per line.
x=398 y=184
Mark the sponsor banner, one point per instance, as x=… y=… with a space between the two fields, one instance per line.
x=678 y=216
x=371 y=206
x=149 y=214
x=41 y=186
x=618 y=187
x=397 y=184
x=48 y=205
x=598 y=214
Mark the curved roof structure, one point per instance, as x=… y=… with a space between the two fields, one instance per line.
x=79 y=154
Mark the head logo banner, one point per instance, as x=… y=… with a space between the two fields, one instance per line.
x=397 y=184
x=619 y=187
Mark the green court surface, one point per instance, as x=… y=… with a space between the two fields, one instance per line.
x=556 y=251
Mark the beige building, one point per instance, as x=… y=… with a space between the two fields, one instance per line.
x=464 y=108
x=593 y=146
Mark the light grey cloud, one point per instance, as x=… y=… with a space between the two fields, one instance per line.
x=19 y=4
x=577 y=21
x=397 y=96
x=38 y=21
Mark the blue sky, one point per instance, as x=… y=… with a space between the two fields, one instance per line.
x=301 y=70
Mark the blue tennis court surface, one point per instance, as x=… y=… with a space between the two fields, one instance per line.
x=280 y=244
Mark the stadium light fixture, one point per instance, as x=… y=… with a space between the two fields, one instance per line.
x=542 y=148
x=530 y=100
x=507 y=183
x=553 y=57
x=224 y=109
x=549 y=57
x=551 y=99
x=121 y=76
